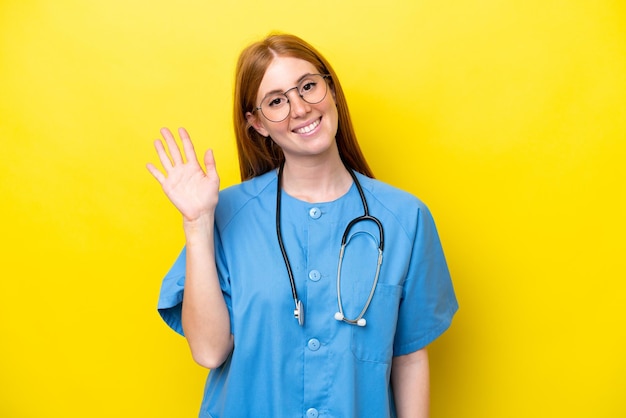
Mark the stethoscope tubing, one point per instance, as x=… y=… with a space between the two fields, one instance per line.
x=298 y=306
x=359 y=320
x=298 y=311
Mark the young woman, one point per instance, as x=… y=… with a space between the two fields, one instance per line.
x=310 y=289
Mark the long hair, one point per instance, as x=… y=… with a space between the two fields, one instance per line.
x=258 y=154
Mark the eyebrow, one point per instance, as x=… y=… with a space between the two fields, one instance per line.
x=298 y=81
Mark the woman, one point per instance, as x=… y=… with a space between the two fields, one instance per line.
x=287 y=325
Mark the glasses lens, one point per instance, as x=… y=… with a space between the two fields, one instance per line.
x=275 y=107
x=312 y=89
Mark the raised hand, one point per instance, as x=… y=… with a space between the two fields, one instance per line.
x=193 y=191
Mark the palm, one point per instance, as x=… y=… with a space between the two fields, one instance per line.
x=193 y=191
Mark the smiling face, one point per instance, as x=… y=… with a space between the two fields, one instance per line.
x=309 y=130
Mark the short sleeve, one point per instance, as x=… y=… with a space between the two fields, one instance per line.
x=173 y=287
x=171 y=295
x=428 y=300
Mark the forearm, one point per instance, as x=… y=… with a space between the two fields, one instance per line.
x=410 y=379
x=205 y=317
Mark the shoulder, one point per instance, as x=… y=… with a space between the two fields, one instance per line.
x=234 y=199
x=390 y=196
x=397 y=204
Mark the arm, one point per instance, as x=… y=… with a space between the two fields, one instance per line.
x=411 y=385
x=205 y=318
x=195 y=193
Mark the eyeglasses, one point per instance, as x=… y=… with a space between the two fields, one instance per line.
x=312 y=89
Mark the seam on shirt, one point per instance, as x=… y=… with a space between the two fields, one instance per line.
x=241 y=206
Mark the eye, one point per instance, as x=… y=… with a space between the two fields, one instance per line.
x=275 y=101
x=307 y=87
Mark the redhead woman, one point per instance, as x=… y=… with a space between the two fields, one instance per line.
x=310 y=289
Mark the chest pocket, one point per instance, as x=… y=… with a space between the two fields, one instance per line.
x=374 y=341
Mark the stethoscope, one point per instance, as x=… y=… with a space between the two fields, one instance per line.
x=298 y=312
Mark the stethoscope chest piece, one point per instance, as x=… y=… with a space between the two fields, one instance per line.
x=298 y=313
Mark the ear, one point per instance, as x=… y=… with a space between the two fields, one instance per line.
x=256 y=124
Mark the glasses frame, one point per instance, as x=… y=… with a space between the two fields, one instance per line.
x=324 y=77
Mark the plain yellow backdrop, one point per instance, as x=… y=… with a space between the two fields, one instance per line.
x=508 y=118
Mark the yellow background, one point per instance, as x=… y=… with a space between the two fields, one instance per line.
x=508 y=118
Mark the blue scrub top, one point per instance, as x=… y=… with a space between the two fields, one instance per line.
x=326 y=368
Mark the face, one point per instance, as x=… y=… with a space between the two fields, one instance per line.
x=309 y=129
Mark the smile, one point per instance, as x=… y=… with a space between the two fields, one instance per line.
x=308 y=128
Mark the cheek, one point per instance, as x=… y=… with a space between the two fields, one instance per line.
x=276 y=128
x=331 y=108
x=329 y=104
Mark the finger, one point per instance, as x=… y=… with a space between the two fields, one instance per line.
x=209 y=161
x=155 y=172
x=163 y=156
x=190 y=152
x=172 y=146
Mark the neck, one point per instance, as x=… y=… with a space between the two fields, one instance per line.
x=316 y=181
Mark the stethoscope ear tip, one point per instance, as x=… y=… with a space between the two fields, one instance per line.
x=360 y=322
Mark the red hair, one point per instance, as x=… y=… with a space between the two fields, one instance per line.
x=258 y=154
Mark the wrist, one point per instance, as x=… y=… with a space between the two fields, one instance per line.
x=199 y=228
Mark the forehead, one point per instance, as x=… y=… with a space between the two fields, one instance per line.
x=284 y=73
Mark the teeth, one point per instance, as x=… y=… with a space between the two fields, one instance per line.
x=308 y=128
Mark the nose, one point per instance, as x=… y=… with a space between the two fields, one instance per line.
x=299 y=106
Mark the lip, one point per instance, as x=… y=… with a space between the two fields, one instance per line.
x=316 y=122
